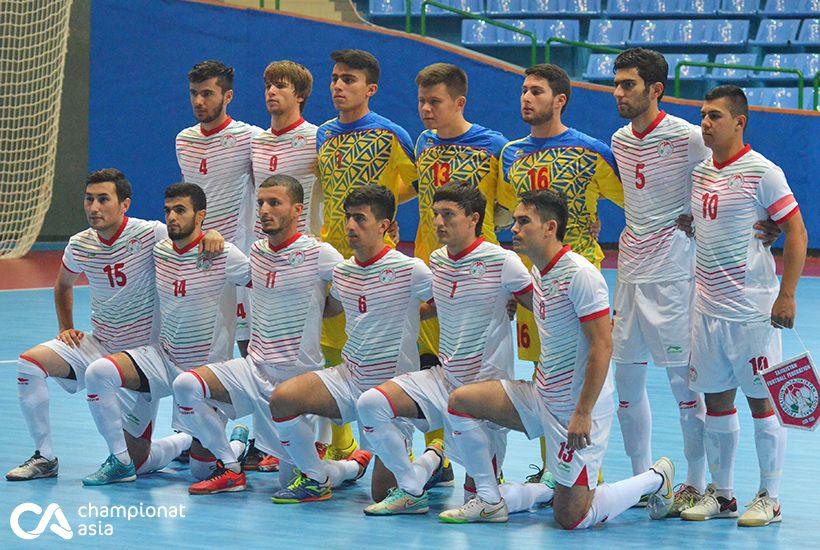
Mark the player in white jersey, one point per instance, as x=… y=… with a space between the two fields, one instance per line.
x=290 y=272
x=216 y=155
x=379 y=290
x=196 y=328
x=570 y=400
x=289 y=146
x=739 y=303
x=472 y=282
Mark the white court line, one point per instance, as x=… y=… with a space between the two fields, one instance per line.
x=9 y=361
x=38 y=288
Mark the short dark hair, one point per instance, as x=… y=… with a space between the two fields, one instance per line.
x=380 y=199
x=295 y=73
x=557 y=78
x=453 y=77
x=192 y=190
x=121 y=184
x=467 y=197
x=212 y=69
x=550 y=204
x=652 y=66
x=738 y=104
x=296 y=193
x=360 y=60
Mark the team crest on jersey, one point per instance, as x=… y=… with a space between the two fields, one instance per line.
x=296 y=258
x=665 y=148
x=228 y=141
x=553 y=289
x=736 y=182
x=387 y=276
x=429 y=142
x=328 y=133
x=519 y=152
x=133 y=246
x=798 y=398
x=298 y=141
x=203 y=263
x=478 y=269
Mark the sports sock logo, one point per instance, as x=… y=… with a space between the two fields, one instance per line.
x=59 y=526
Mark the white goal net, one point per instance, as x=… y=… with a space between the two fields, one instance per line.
x=33 y=42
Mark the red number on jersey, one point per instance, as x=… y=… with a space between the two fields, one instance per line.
x=759 y=363
x=542 y=310
x=240 y=311
x=710 y=206
x=274 y=160
x=179 y=288
x=441 y=173
x=564 y=454
x=640 y=179
x=453 y=290
x=362 y=304
x=539 y=178
x=115 y=275
x=203 y=167
x=523 y=333
x=271 y=279
x=338 y=159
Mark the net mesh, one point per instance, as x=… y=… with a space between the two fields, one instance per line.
x=33 y=42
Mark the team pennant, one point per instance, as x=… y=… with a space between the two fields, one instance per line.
x=794 y=391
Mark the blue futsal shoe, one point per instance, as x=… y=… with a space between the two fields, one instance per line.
x=111 y=471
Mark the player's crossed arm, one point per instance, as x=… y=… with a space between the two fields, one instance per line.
x=64 y=304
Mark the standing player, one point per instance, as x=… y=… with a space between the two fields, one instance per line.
x=359 y=147
x=379 y=289
x=196 y=328
x=216 y=155
x=450 y=149
x=472 y=282
x=290 y=273
x=557 y=157
x=115 y=254
x=739 y=302
x=570 y=401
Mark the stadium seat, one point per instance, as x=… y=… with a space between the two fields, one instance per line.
x=686 y=72
x=562 y=28
x=687 y=32
x=600 y=67
x=808 y=63
x=734 y=75
x=786 y=98
x=776 y=32
x=739 y=7
x=791 y=8
x=809 y=33
x=755 y=96
x=808 y=8
x=478 y=33
x=624 y=8
x=382 y=8
x=647 y=32
x=506 y=37
x=505 y=7
x=726 y=32
x=541 y=7
x=581 y=8
x=608 y=32
x=698 y=8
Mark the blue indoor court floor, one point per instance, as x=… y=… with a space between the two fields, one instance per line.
x=249 y=519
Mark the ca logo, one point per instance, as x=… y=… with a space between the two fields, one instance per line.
x=60 y=527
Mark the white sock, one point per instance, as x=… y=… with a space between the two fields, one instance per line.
x=521 y=497
x=32 y=394
x=287 y=471
x=190 y=393
x=202 y=468
x=473 y=447
x=340 y=471
x=634 y=414
x=722 y=437
x=612 y=500
x=324 y=433
x=103 y=380
x=163 y=451
x=377 y=418
x=770 y=441
x=296 y=436
x=238 y=447
x=692 y=417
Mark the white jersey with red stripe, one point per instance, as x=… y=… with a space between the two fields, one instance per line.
x=471 y=291
x=291 y=151
x=289 y=287
x=197 y=319
x=120 y=274
x=735 y=274
x=569 y=291
x=219 y=161
x=381 y=305
x=656 y=171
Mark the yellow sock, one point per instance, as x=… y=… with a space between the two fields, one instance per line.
x=436 y=434
x=543 y=443
x=342 y=438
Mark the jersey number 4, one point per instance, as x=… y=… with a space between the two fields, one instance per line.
x=203 y=167
x=116 y=277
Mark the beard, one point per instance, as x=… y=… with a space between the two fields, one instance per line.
x=538 y=119
x=635 y=110
x=212 y=115
x=181 y=233
x=283 y=224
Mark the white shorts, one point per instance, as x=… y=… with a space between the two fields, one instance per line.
x=243 y=313
x=566 y=465
x=652 y=321
x=89 y=350
x=431 y=392
x=160 y=373
x=727 y=355
x=342 y=386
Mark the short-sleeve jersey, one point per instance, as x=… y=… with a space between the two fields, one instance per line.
x=219 y=161
x=381 y=304
x=568 y=292
x=370 y=150
x=291 y=151
x=656 y=171
x=575 y=163
x=191 y=288
x=470 y=158
x=120 y=274
x=735 y=274
x=289 y=286
x=471 y=291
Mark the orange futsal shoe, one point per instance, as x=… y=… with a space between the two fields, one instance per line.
x=221 y=481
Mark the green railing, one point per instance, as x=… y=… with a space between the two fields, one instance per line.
x=275 y=4
x=487 y=20
x=817 y=91
x=587 y=45
x=800 y=78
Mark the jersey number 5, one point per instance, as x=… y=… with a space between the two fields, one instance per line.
x=640 y=179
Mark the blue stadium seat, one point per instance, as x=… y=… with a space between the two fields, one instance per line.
x=686 y=72
x=600 y=66
x=505 y=37
x=786 y=98
x=698 y=8
x=755 y=96
x=726 y=32
x=561 y=28
x=624 y=8
x=505 y=7
x=808 y=8
x=477 y=33
x=660 y=8
x=808 y=63
x=776 y=32
x=791 y=8
x=581 y=8
x=687 y=32
x=809 y=33
x=647 y=32
x=734 y=75
x=609 y=32
x=739 y=7
x=383 y=8
x=541 y=7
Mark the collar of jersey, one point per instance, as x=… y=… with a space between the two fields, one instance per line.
x=364 y=121
x=374 y=259
x=658 y=119
x=285 y=244
x=216 y=130
x=566 y=248
x=192 y=244
x=722 y=165
x=112 y=240
x=287 y=129
x=467 y=250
